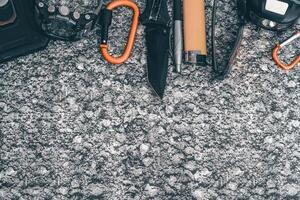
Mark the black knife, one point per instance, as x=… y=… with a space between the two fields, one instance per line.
x=157 y=21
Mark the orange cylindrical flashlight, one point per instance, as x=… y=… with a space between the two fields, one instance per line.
x=194 y=31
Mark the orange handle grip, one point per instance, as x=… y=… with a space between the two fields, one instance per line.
x=131 y=38
x=194 y=26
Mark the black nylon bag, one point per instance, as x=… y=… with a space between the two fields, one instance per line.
x=19 y=32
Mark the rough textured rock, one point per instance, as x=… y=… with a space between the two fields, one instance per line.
x=74 y=127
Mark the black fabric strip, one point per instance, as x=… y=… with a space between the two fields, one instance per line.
x=221 y=73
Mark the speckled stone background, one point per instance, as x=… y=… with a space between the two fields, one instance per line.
x=75 y=127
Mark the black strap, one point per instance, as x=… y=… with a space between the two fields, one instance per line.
x=105 y=22
x=221 y=72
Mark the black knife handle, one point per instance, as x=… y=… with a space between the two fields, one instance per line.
x=105 y=21
x=177 y=10
x=156 y=12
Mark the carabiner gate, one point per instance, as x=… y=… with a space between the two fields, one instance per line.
x=106 y=18
x=278 y=47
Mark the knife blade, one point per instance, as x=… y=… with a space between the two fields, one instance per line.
x=157 y=21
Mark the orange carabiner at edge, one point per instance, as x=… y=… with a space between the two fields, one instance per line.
x=106 y=22
x=278 y=47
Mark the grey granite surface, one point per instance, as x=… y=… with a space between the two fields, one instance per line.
x=74 y=127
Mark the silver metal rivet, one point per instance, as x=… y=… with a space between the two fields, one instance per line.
x=265 y=22
x=51 y=9
x=272 y=24
x=41 y=4
x=87 y=17
x=76 y=15
x=64 y=10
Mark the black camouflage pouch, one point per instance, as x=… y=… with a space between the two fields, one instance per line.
x=60 y=21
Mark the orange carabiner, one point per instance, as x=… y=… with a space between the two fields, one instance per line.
x=107 y=13
x=278 y=47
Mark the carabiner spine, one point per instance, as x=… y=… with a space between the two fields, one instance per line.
x=291 y=39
